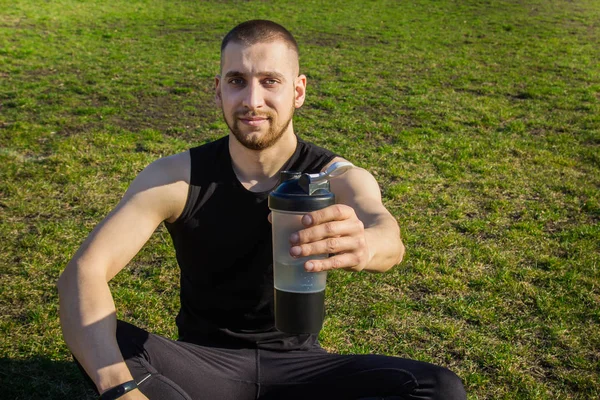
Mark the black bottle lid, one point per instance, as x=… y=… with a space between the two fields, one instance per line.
x=297 y=193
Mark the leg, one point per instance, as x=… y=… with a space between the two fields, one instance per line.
x=154 y=385
x=201 y=372
x=172 y=370
x=319 y=375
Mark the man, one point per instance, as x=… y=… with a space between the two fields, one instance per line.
x=212 y=199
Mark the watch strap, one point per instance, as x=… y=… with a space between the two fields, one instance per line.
x=118 y=391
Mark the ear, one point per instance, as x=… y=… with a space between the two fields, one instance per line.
x=218 y=91
x=300 y=91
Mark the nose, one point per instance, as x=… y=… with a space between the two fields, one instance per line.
x=253 y=98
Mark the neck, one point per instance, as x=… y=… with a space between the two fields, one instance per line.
x=258 y=170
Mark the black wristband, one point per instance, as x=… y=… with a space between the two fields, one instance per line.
x=118 y=391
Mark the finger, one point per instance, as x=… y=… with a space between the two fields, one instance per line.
x=345 y=260
x=326 y=246
x=326 y=230
x=270 y=217
x=336 y=212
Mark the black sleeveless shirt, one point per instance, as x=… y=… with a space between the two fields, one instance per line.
x=223 y=246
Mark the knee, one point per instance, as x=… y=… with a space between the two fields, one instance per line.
x=448 y=385
x=131 y=339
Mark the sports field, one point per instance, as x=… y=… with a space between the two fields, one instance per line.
x=479 y=119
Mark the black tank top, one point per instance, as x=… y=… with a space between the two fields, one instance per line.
x=223 y=246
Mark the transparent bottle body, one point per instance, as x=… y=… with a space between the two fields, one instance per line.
x=288 y=272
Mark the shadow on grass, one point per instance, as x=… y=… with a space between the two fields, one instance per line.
x=41 y=378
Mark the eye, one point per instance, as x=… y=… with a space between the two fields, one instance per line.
x=236 y=81
x=270 y=82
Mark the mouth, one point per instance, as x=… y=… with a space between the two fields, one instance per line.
x=253 y=121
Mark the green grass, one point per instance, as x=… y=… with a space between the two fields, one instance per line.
x=480 y=119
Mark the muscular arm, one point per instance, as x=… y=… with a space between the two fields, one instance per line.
x=359 y=230
x=358 y=189
x=87 y=310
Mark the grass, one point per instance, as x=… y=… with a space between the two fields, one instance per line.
x=480 y=120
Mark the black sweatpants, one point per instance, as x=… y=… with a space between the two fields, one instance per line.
x=168 y=369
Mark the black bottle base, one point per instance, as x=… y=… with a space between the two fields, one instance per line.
x=299 y=312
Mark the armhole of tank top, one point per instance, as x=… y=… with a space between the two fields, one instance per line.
x=325 y=155
x=192 y=196
x=329 y=158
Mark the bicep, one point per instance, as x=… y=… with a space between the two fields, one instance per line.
x=116 y=240
x=358 y=189
x=152 y=198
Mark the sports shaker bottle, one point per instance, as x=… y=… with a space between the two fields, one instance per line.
x=299 y=295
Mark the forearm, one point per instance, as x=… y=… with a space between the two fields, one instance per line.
x=88 y=320
x=385 y=245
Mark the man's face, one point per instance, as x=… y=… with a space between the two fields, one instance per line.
x=258 y=90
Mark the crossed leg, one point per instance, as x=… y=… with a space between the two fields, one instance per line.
x=168 y=369
x=317 y=375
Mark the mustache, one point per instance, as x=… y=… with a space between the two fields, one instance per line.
x=252 y=114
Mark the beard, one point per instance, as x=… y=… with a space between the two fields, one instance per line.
x=258 y=142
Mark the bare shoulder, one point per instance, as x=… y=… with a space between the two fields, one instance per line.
x=356 y=182
x=163 y=185
x=169 y=169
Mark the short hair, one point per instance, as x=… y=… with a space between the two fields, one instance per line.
x=257 y=31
